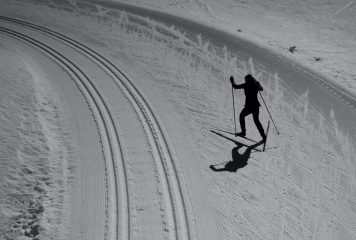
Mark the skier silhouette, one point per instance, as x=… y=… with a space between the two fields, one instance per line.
x=251 y=88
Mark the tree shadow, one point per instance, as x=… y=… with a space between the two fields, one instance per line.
x=239 y=160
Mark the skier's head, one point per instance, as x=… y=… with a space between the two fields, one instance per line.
x=249 y=79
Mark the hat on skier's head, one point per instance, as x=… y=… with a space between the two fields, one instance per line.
x=249 y=78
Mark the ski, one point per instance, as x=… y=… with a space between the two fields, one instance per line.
x=249 y=139
x=254 y=146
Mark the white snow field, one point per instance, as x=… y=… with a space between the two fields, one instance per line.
x=111 y=115
x=322 y=31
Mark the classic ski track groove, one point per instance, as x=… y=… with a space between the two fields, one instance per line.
x=160 y=144
x=107 y=131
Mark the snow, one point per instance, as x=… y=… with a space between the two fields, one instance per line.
x=145 y=173
x=319 y=29
x=33 y=163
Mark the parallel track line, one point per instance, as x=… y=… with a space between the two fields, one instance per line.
x=156 y=133
x=109 y=129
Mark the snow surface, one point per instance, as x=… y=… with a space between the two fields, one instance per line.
x=34 y=167
x=323 y=32
x=115 y=160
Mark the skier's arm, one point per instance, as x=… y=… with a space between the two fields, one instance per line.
x=259 y=87
x=236 y=86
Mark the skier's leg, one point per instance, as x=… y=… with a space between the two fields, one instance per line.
x=258 y=124
x=243 y=114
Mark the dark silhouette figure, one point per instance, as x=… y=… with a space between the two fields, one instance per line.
x=239 y=160
x=251 y=88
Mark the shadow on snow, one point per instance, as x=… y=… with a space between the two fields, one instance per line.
x=239 y=160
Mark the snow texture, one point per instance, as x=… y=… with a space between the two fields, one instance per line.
x=302 y=187
x=34 y=154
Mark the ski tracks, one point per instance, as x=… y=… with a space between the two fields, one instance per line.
x=177 y=218
x=104 y=122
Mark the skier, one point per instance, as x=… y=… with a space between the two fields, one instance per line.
x=251 y=88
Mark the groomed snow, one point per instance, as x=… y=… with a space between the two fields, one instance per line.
x=35 y=166
x=128 y=156
x=323 y=32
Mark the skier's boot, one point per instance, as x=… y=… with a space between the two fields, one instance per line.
x=264 y=138
x=240 y=134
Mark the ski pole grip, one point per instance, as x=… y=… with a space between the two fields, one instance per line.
x=232 y=80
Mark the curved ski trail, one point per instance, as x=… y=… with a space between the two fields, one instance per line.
x=173 y=190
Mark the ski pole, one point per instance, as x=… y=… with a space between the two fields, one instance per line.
x=233 y=105
x=269 y=113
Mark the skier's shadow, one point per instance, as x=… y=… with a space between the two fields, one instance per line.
x=239 y=160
